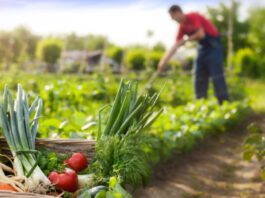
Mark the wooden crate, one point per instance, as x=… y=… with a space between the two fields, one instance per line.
x=61 y=146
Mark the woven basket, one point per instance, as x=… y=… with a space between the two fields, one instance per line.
x=60 y=146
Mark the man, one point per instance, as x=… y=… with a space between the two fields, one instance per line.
x=209 y=62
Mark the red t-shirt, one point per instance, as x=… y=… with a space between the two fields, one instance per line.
x=193 y=22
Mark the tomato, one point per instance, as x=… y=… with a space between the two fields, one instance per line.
x=77 y=161
x=67 y=180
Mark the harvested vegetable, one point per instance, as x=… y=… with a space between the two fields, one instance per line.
x=20 y=134
x=121 y=136
x=50 y=161
x=85 y=180
x=130 y=113
x=64 y=181
x=12 y=183
x=7 y=187
x=77 y=161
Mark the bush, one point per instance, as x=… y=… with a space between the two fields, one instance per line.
x=154 y=59
x=262 y=67
x=116 y=53
x=136 y=59
x=49 y=50
x=246 y=63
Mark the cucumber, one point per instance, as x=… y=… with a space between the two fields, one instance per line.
x=91 y=193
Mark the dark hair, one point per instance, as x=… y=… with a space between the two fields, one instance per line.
x=175 y=8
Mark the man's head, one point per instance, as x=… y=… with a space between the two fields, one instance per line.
x=176 y=13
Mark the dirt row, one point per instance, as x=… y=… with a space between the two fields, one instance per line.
x=215 y=169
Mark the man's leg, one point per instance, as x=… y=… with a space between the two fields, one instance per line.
x=201 y=79
x=217 y=74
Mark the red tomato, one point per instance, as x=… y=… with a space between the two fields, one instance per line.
x=77 y=162
x=67 y=180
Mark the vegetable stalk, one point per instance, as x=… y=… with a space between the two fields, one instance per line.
x=20 y=135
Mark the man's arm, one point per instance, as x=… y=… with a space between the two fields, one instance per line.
x=198 y=35
x=169 y=55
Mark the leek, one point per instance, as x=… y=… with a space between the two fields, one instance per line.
x=20 y=134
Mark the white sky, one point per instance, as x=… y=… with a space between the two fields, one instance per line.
x=122 y=25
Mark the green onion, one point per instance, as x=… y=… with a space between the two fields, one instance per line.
x=130 y=113
x=20 y=136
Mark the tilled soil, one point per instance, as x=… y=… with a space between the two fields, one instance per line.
x=215 y=169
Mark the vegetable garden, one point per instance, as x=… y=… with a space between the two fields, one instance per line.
x=133 y=128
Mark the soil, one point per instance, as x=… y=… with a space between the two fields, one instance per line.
x=215 y=169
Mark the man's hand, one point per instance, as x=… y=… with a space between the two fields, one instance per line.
x=168 y=55
x=181 y=42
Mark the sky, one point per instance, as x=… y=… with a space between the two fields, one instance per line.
x=122 y=21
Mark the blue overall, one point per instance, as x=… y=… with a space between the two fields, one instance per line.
x=209 y=64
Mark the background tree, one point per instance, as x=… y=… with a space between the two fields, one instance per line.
x=116 y=53
x=74 y=42
x=95 y=42
x=136 y=59
x=159 y=47
x=257 y=30
x=49 y=51
x=219 y=15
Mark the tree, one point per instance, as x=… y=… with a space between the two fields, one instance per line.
x=17 y=46
x=136 y=59
x=116 y=53
x=6 y=48
x=159 y=47
x=74 y=42
x=49 y=51
x=220 y=17
x=246 y=63
x=95 y=42
x=257 y=30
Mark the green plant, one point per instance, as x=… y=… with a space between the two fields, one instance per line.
x=121 y=137
x=49 y=51
x=154 y=58
x=246 y=63
x=20 y=133
x=116 y=53
x=136 y=59
x=255 y=146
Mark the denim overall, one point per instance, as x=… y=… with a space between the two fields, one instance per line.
x=209 y=64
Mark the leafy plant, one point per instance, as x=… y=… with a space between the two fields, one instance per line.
x=121 y=137
x=136 y=59
x=255 y=146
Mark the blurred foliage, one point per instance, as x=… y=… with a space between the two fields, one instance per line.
x=246 y=63
x=71 y=102
x=257 y=30
x=95 y=42
x=154 y=59
x=219 y=15
x=73 y=42
x=136 y=59
x=116 y=53
x=254 y=146
x=49 y=50
x=17 y=46
x=159 y=47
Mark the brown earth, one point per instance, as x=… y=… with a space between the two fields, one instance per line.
x=214 y=169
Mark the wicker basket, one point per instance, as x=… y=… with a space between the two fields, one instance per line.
x=60 y=146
